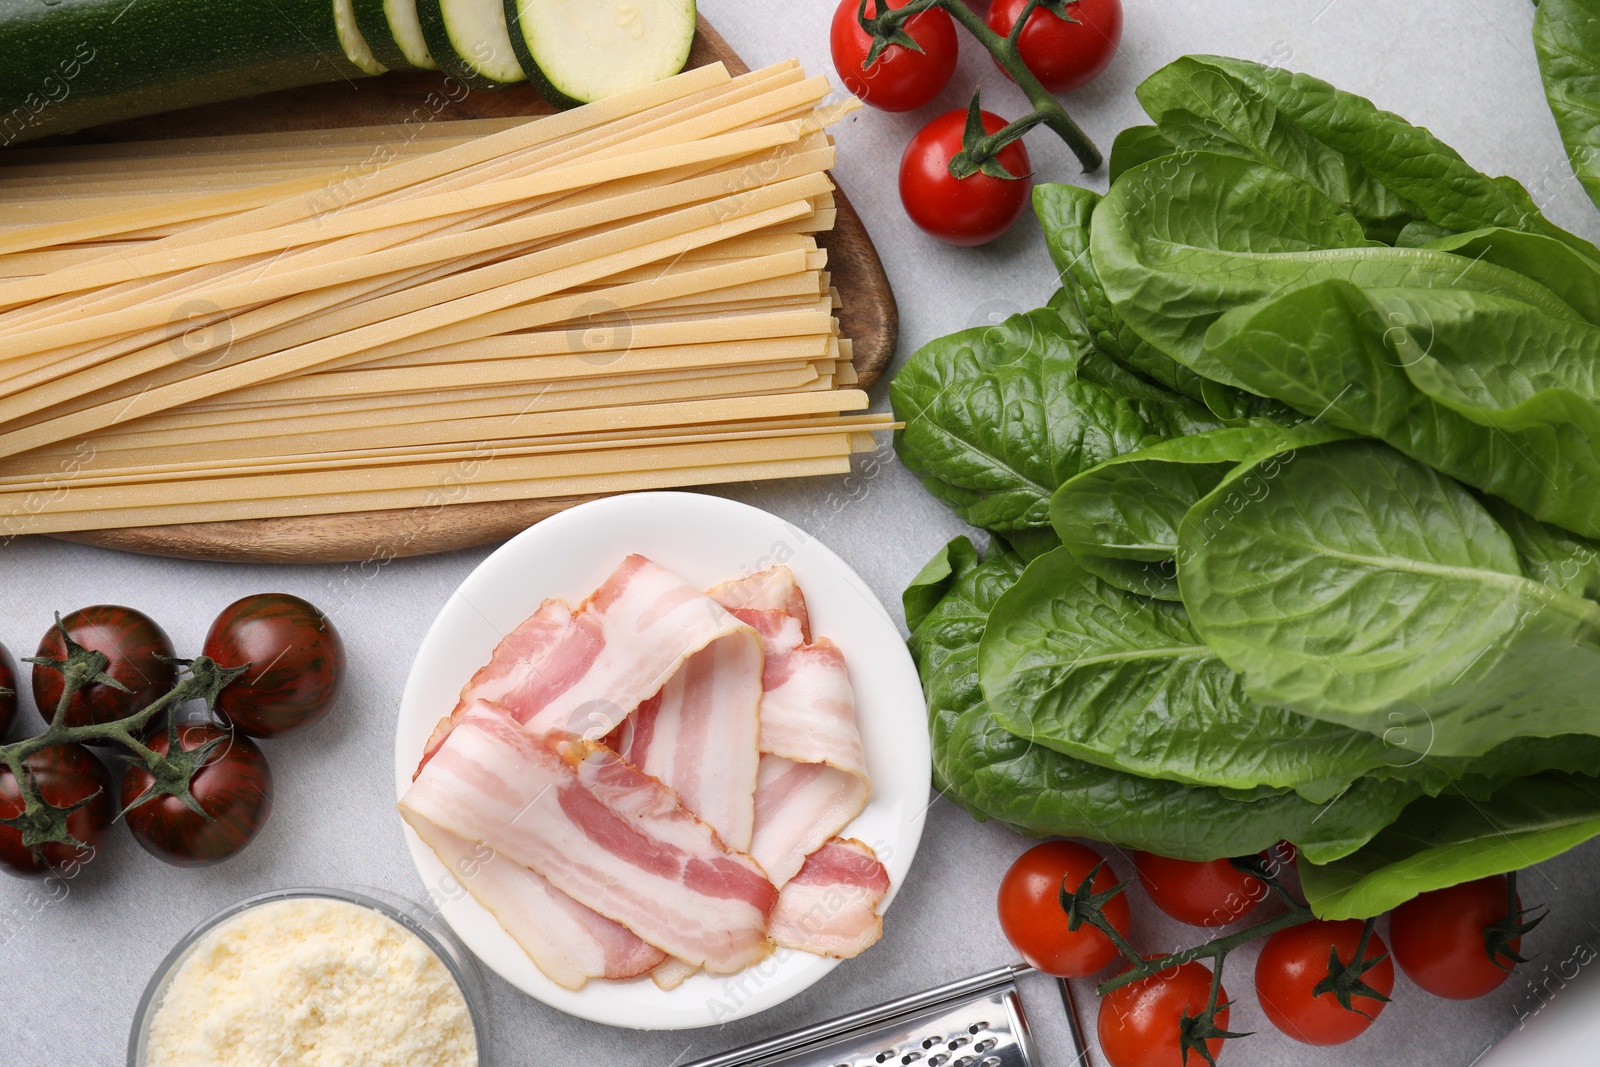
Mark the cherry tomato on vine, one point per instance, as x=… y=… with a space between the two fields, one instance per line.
x=1440 y=938
x=900 y=79
x=1295 y=961
x=1062 y=55
x=296 y=662
x=963 y=211
x=1213 y=893
x=140 y=656
x=8 y=694
x=1140 y=1025
x=233 y=786
x=63 y=775
x=1032 y=918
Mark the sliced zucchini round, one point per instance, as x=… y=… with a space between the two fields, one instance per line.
x=393 y=33
x=354 y=43
x=470 y=40
x=579 y=51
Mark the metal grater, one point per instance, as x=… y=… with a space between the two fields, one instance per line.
x=974 y=1022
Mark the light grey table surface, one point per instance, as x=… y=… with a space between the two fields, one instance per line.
x=72 y=966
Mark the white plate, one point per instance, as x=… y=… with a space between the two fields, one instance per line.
x=705 y=540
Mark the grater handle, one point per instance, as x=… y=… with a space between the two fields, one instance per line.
x=845 y=1023
x=1080 y=1050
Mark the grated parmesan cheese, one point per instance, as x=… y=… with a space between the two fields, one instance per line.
x=312 y=983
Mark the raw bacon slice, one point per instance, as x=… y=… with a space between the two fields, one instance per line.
x=602 y=831
x=831 y=907
x=773 y=589
x=565 y=940
x=528 y=644
x=584 y=672
x=699 y=735
x=799 y=806
x=808 y=712
x=673 y=973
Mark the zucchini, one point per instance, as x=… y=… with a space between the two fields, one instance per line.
x=392 y=29
x=470 y=40
x=78 y=63
x=351 y=39
x=579 y=51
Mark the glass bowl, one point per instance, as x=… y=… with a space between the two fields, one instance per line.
x=412 y=917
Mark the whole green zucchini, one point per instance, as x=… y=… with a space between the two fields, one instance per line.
x=76 y=63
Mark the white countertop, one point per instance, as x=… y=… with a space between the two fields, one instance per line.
x=72 y=965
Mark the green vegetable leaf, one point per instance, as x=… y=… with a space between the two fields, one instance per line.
x=1124 y=682
x=1445 y=840
x=1366 y=589
x=1137 y=145
x=1411 y=162
x=1130 y=507
x=1485 y=389
x=1200 y=106
x=992 y=773
x=1066 y=214
x=1175 y=254
x=1566 y=34
x=997 y=417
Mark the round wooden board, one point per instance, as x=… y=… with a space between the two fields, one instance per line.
x=869 y=317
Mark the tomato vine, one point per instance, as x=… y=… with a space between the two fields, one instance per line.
x=887 y=27
x=41 y=823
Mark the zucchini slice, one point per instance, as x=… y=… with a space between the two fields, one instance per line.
x=78 y=63
x=470 y=40
x=579 y=51
x=394 y=34
x=351 y=39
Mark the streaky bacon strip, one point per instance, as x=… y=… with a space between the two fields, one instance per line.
x=773 y=589
x=831 y=907
x=600 y=830
x=808 y=710
x=519 y=651
x=567 y=941
x=799 y=806
x=699 y=735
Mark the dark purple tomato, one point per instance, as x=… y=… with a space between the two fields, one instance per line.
x=140 y=656
x=63 y=775
x=233 y=786
x=8 y=694
x=296 y=662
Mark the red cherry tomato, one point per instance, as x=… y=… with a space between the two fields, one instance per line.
x=900 y=79
x=1063 y=55
x=1140 y=1023
x=63 y=775
x=1439 y=938
x=1294 y=961
x=965 y=211
x=140 y=656
x=1031 y=915
x=1213 y=893
x=8 y=694
x=233 y=786
x=296 y=662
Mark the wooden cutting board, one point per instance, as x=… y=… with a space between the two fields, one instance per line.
x=868 y=316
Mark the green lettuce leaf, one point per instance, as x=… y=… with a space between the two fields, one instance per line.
x=1411 y=162
x=1124 y=682
x=992 y=773
x=997 y=417
x=1175 y=254
x=1445 y=840
x=1488 y=390
x=1566 y=34
x=1364 y=588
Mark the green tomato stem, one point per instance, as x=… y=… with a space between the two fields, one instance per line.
x=1047 y=110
